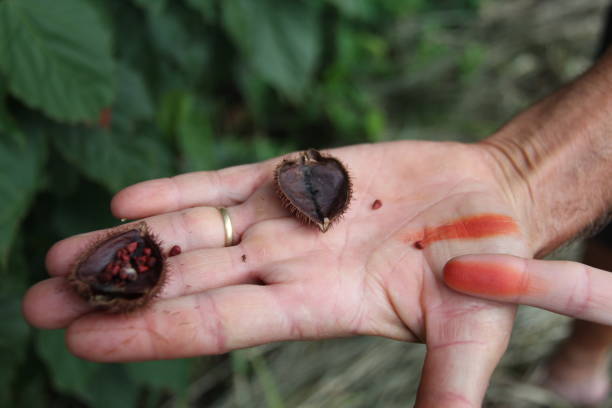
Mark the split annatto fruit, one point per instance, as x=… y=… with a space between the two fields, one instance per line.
x=122 y=271
x=315 y=188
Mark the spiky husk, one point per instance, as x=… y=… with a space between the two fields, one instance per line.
x=293 y=207
x=111 y=302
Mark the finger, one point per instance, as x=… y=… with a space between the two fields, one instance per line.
x=53 y=304
x=193 y=228
x=569 y=288
x=462 y=351
x=212 y=322
x=219 y=188
x=205 y=269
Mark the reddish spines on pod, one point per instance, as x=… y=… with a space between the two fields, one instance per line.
x=122 y=271
x=315 y=188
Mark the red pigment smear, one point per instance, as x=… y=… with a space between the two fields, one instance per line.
x=477 y=226
x=489 y=279
x=376 y=204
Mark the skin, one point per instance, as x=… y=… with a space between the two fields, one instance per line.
x=365 y=276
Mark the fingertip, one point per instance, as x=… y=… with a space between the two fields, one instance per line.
x=491 y=276
x=145 y=199
x=52 y=304
x=122 y=203
x=64 y=253
x=28 y=306
x=53 y=262
x=117 y=206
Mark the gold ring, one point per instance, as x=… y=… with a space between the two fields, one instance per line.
x=227 y=226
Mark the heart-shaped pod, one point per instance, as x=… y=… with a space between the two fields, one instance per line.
x=315 y=188
x=122 y=271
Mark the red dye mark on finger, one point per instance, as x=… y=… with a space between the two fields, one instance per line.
x=376 y=204
x=486 y=278
x=477 y=226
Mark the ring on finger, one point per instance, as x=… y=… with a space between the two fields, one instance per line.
x=227 y=226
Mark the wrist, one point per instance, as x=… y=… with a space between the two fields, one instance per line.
x=512 y=170
x=554 y=160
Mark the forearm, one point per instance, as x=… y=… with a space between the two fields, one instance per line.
x=556 y=159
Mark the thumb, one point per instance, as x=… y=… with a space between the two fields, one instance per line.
x=568 y=288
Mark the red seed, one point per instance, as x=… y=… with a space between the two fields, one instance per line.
x=142 y=268
x=175 y=250
x=147 y=251
x=376 y=204
x=132 y=247
x=151 y=262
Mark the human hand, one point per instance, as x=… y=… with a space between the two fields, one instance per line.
x=285 y=281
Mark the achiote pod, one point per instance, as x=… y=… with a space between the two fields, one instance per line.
x=122 y=271
x=315 y=188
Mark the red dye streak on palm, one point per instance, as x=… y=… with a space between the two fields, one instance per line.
x=478 y=226
x=486 y=279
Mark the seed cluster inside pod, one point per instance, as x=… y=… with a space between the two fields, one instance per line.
x=315 y=188
x=122 y=271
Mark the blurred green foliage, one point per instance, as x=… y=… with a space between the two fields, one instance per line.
x=95 y=96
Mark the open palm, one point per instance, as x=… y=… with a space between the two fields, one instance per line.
x=288 y=281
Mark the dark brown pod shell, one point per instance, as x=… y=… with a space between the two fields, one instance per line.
x=122 y=271
x=316 y=188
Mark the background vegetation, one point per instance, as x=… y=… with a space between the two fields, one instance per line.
x=97 y=95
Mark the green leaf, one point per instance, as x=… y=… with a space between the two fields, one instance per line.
x=153 y=6
x=359 y=9
x=111 y=386
x=170 y=375
x=84 y=210
x=33 y=390
x=207 y=9
x=100 y=385
x=14 y=333
x=195 y=134
x=279 y=39
x=178 y=40
x=21 y=160
x=56 y=56
x=13 y=330
x=134 y=102
x=69 y=374
x=112 y=159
